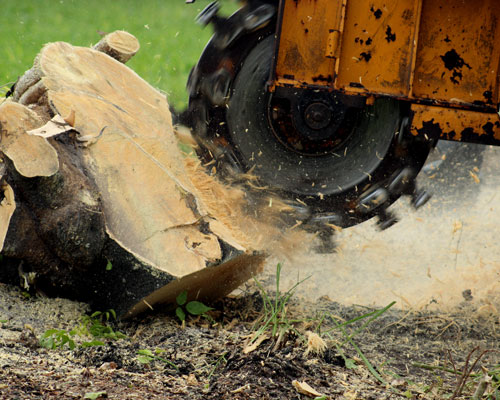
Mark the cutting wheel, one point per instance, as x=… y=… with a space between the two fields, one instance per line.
x=322 y=152
x=286 y=158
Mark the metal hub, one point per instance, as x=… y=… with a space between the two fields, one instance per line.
x=313 y=123
x=318 y=116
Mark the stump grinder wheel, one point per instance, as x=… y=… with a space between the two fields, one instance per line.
x=333 y=158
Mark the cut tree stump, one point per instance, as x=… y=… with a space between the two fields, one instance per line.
x=98 y=203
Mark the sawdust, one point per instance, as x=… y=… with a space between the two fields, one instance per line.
x=256 y=224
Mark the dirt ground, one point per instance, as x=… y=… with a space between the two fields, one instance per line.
x=211 y=364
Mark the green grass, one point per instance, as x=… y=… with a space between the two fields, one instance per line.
x=171 y=42
x=274 y=317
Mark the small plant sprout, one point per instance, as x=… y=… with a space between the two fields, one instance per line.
x=57 y=338
x=95 y=326
x=194 y=308
x=146 y=356
x=220 y=360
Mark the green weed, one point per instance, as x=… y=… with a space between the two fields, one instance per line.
x=57 y=338
x=194 y=308
x=494 y=374
x=276 y=321
x=95 y=326
x=348 y=337
x=221 y=359
x=146 y=356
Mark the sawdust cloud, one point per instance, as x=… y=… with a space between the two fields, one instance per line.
x=263 y=224
x=421 y=262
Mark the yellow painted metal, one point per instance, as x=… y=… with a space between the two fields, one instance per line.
x=378 y=44
x=458 y=51
x=309 y=32
x=440 y=52
x=444 y=51
x=332 y=47
x=432 y=122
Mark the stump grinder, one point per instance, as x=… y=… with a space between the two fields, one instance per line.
x=335 y=104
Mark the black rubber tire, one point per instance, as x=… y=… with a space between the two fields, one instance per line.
x=279 y=167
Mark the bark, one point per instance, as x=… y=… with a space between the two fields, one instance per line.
x=107 y=209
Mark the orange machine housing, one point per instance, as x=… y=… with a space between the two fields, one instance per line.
x=441 y=55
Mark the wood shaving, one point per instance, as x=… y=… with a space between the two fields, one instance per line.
x=304 y=388
x=54 y=127
x=315 y=343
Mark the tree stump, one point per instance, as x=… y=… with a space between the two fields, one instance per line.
x=98 y=203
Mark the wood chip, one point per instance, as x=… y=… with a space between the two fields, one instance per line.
x=253 y=346
x=241 y=389
x=304 y=388
x=315 y=343
x=474 y=176
x=70 y=119
x=55 y=126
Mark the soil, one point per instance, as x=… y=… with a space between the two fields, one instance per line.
x=210 y=362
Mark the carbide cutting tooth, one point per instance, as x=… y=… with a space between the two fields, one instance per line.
x=419 y=198
x=386 y=219
x=209 y=15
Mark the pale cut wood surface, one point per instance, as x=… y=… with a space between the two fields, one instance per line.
x=132 y=154
x=120 y=45
x=32 y=155
x=123 y=194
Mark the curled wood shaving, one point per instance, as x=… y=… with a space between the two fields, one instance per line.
x=70 y=119
x=315 y=343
